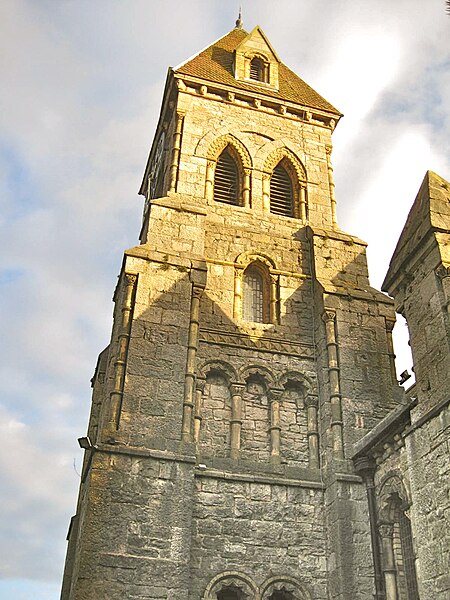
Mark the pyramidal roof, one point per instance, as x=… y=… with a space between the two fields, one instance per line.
x=215 y=64
x=430 y=212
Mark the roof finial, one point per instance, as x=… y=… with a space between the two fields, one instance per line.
x=239 y=22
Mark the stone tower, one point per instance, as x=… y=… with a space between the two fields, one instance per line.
x=248 y=355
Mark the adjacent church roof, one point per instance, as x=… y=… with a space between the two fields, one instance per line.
x=430 y=212
x=215 y=64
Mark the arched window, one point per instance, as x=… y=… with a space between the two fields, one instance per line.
x=226 y=179
x=281 y=595
x=230 y=593
x=281 y=192
x=259 y=70
x=256 y=300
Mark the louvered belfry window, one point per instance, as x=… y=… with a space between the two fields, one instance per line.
x=226 y=179
x=281 y=192
x=258 y=70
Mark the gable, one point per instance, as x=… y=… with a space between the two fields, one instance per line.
x=256 y=46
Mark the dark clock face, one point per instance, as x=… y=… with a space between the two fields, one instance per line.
x=157 y=164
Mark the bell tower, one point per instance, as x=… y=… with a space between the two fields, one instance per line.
x=248 y=354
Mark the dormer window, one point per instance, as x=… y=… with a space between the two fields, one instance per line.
x=259 y=70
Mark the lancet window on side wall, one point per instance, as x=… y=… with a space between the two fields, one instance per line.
x=284 y=185
x=227 y=186
x=281 y=191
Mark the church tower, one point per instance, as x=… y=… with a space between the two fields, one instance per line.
x=248 y=355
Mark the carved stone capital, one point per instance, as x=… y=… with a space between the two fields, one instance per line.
x=386 y=529
x=181 y=85
x=130 y=278
x=329 y=315
x=275 y=394
x=197 y=292
x=328 y=150
x=390 y=323
x=283 y=109
x=311 y=400
x=237 y=389
x=442 y=271
x=257 y=103
x=200 y=384
x=231 y=97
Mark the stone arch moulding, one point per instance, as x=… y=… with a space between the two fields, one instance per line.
x=299 y=378
x=231 y=578
x=283 y=152
x=219 y=143
x=259 y=371
x=391 y=487
x=218 y=366
x=246 y=258
x=274 y=151
x=288 y=584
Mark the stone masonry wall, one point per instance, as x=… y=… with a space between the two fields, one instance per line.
x=259 y=530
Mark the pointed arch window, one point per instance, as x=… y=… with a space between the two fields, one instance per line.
x=281 y=191
x=226 y=179
x=256 y=294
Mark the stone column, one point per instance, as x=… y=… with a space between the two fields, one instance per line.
x=266 y=192
x=199 y=389
x=209 y=185
x=390 y=574
x=331 y=185
x=311 y=404
x=237 y=306
x=275 y=428
x=129 y=284
x=303 y=215
x=273 y=317
x=335 y=389
x=246 y=188
x=176 y=147
x=188 y=403
x=389 y=327
x=237 y=390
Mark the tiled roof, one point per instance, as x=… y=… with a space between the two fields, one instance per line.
x=216 y=64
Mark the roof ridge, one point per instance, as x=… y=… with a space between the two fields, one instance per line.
x=182 y=64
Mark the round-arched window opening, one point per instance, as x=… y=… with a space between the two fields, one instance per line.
x=230 y=593
x=259 y=70
x=255 y=295
x=281 y=595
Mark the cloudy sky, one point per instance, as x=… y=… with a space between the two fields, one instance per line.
x=81 y=83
